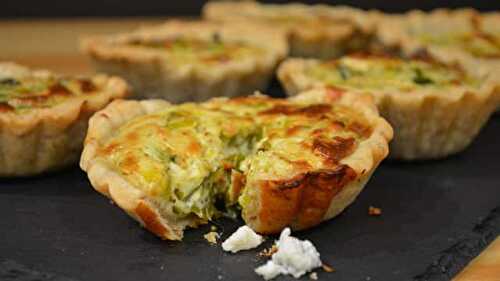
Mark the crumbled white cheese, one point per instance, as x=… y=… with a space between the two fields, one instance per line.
x=269 y=270
x=243 y=239
x=294 y=257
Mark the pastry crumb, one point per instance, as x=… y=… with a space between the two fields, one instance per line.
x=268 y=252
x=211 y=237
x=327 y=268
x=374 y=211
x=313 y=276
x=213 y=228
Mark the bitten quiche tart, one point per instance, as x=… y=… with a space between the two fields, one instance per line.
x=43 y=117
x=282 y=162
x=190 y=60
x=317 y=31
x=435 y=109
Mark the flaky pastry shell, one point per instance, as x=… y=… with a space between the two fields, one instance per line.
x=427 y=124
x=318 y=31
x=260 y=214
x=153 y=75
x=45 y=139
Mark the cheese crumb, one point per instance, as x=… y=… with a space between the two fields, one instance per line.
x=294 y=257
x=243 y=239
x=313 y=276
x=212 y=237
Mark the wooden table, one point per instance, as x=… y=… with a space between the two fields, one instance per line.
x=53 y=43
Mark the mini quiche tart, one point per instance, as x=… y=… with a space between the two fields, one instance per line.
x=463 y=35
x=281 y=162
x=43 y=117
x=317 y=31
x=190 y=60
x=435 y=109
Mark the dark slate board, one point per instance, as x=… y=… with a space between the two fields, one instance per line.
x=437 y=216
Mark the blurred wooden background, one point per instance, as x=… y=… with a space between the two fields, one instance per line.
x=53 y=43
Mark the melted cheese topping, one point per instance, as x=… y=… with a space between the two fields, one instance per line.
x=187 y=154
x=383 y=73
x=19 y=94
x=185 y=50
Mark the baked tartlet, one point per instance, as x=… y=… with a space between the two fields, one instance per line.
x=465 y=36
x=435 y=109
x=190 y=60
x=318 y=31
x=282 y=162
x=43 y=117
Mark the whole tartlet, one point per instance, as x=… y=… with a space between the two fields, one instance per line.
x=43 y=117
x=190 y=60
x=294 y=162
x=435 y=109
x=317 y=31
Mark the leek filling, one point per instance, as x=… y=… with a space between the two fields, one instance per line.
x=212 y=50
x=187 y=154
x=388 y=74
x=28 y=92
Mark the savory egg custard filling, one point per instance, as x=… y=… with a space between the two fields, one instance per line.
x=386 y=73
x=200 y=160
x=21 y=94
x=189 y=50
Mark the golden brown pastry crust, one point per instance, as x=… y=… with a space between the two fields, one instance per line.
x=44 y=139
x=318 y=195
x=275 y=207
x=152 y=75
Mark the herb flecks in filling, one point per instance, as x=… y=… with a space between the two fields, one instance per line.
x=191 y=50
x=196 y=155
x=387 y=73
x=25 y=93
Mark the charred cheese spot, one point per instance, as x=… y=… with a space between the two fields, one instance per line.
x=5 y=107
x=360 y=129
x=334 y=150
x=310 y=110
x=58 y=90
x=87 y=86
